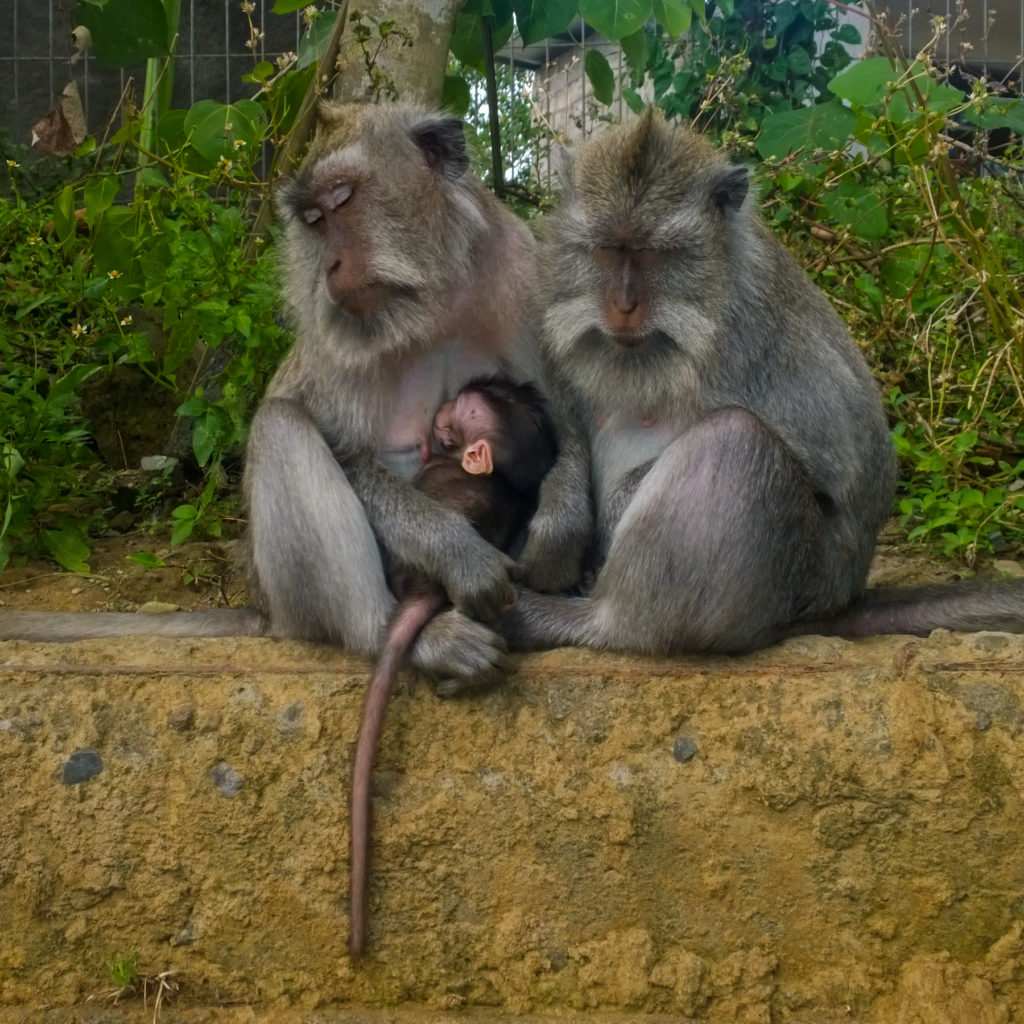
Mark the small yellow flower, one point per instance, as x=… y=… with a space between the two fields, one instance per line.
x=33 y=239
x=239 y=143
x=79 y=329
x=113 y=274
x=225 y=165
x=13 y=163
x=126 y=320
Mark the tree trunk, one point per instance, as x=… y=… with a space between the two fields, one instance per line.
x=416 y=71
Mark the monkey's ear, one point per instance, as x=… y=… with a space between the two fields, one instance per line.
x=443 y=142
x=330 y=114
x=478 y=459
x=730 y=189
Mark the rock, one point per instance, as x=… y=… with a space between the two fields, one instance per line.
x=1011 y=569
x=81 y=765
x=684 y=749
x=226 y=779
x=183 y=717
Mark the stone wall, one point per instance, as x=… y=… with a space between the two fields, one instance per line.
x=824 y=832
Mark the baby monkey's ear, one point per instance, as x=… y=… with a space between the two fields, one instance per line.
x=478 y=459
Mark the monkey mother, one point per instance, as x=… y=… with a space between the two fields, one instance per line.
x=405 y=279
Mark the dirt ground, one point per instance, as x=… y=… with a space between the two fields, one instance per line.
x=202 y=574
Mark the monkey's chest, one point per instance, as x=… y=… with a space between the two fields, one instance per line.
x=427 y=380
x=622 y=442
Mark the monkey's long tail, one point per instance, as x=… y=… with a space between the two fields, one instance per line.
x=411 y=615
x=61 y=627
x=967 y=605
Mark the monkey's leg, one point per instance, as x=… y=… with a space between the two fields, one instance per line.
x=719 y=549
x=313 y=553
x=316 y=561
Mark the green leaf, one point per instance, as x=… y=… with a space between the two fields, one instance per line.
x=182 y=531
x=100 y=193
x=66 y=386
x=601 y=76
x=616 y=18
x=634 y=101
x=635 y=49
x=125 y=32
x=207 y=435
x=259 y=74
x=67 y=548
x=214 y=128
x=455 y=95
x=857 y=208
x=799 y=61
x=848 y=34
x=147 y=559
x=11 y=461
x=865 y=82
x=824 y=126
x=541 y=19
x=997 y=112
x=113 y=241
x=313 y=44
x=64 y=213
x=467 y=40
x=965 y=441
x=288 y=6
x=674 y=16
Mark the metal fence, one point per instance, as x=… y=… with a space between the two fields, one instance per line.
x=35 y=51
x=36 y=48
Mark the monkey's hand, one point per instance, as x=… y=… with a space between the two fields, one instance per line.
x=477 y=579
x=560 y=531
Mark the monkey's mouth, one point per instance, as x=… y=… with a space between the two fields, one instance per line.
x=367 y=300
x=630 y=339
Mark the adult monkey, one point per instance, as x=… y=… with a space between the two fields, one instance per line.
x=741 y=459
x=404 y=279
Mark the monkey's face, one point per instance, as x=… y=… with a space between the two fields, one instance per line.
x=379 y=222
x=466 y=419
x=638 y=256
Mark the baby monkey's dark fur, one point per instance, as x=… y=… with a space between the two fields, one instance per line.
x=511 y=420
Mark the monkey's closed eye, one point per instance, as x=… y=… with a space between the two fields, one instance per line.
x=338 y=196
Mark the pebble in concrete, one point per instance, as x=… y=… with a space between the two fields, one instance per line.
x=226 y=779
x=81 y=765
x=684 y=749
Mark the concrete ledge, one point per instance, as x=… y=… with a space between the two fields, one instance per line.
x=827 y=831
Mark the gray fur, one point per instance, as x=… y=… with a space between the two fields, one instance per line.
x=770 y=463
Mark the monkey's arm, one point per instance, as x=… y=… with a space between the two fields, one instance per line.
x=440 y=542
x=560 y=531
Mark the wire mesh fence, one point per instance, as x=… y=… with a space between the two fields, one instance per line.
x=37 y=59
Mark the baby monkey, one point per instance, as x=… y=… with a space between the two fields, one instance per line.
x=491 y=448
